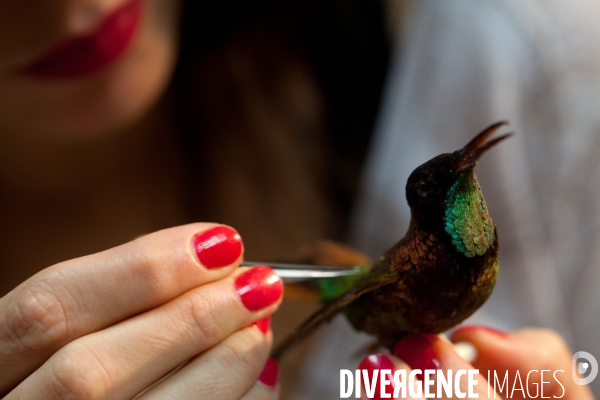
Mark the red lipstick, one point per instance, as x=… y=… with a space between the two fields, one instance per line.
x=87 y=54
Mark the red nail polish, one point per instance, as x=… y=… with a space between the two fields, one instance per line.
x=417 y=351
x=218 y=246
x=263 y=324
x=379 y=361
x=270 y=373
x=493 y=331
x=258 y=287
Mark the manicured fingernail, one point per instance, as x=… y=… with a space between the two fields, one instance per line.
x=379 y=362
x=258 y=287
x=218 y=247
x=466 y=350
x=486 y=329
x=270 y=374
x=416 y=349
x=263 y=324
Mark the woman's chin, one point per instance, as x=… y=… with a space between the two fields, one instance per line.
x=89 y=107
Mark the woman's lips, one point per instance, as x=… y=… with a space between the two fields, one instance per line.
x=85 y=55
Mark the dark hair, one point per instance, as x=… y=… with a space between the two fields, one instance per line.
x=276 y=102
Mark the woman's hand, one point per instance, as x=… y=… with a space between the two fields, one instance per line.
x=110 y=325
x=496 y=352
x=525 y=350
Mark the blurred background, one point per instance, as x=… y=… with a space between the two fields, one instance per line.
x=296 y=121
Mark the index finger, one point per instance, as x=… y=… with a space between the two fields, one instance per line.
x=396 y=374
x=87 y=294
x=430 y=352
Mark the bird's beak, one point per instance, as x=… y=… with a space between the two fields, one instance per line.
x=469 y=154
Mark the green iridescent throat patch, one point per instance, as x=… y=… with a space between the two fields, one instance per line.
x=466 y=219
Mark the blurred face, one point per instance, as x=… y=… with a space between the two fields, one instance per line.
x=75 y=69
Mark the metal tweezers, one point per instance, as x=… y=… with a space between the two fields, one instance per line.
x=294 y=273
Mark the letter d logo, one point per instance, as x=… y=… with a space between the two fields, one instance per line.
x=580 y=368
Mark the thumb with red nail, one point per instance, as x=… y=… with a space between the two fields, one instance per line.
x=522 y=355
x=416 y=361
x=419 y=360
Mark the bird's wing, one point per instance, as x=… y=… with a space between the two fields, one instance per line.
x=379 y=275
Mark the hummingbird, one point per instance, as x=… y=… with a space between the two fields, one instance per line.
x=441 y=271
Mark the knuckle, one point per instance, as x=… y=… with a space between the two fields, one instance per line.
x=161 y=263
x=243 y=354
x=72 y=378
x=555 y=342
x=154 y=266
x=145 y=266
x=204 y=314
x=554 y=339
x=552 y=345
x=38 y=319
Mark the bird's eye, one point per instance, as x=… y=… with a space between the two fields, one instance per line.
x=422 y=188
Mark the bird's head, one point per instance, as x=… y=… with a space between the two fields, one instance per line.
x=444 y=193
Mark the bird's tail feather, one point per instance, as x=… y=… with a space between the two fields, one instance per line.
x=324 y=314
x=366 y=284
